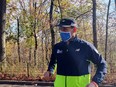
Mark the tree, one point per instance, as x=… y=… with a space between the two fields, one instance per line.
x=106 y=40
x=51 y=25
x=94 y=24
x=35 y=37
x=60 y=8
x=115 y=3
x=18 y=41
x=2 y=28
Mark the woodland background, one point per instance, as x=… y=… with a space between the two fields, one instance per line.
x=28 y=33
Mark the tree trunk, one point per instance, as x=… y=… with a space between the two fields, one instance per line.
x=46 y=47
x=30 y=6
x=2 y=29
x=94 y=24
x=35 y=37
x=51 y=25
x=106 y=41
x=30 y=55
x=115 y=4
x=43 y=52
x=18 y=41
x=60 y=8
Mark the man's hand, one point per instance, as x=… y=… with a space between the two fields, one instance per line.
x=47 y=76
x=92 y=84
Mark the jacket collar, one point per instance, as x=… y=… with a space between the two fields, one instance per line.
x=74 y=39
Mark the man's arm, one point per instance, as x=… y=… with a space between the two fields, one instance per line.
x=97 y=59
x=53 y=61
x=50 y=71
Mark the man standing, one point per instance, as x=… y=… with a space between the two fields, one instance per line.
x=73 y=57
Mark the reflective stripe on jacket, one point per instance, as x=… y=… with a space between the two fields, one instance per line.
x=72 y=81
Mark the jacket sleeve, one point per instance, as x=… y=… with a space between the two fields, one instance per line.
x=99 y=61
x=53 y=61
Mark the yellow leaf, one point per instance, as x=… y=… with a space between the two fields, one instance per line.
x=7 y=1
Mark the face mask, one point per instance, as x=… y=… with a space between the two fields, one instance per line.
x=65 y=36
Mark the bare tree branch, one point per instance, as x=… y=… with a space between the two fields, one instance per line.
x=83 y=14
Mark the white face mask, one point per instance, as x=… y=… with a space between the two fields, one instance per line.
x=65 y=36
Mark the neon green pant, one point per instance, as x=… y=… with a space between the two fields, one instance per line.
x=72 y=81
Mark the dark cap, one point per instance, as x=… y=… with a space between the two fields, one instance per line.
x=67 y=22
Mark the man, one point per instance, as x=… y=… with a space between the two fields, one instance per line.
x=73 y=57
